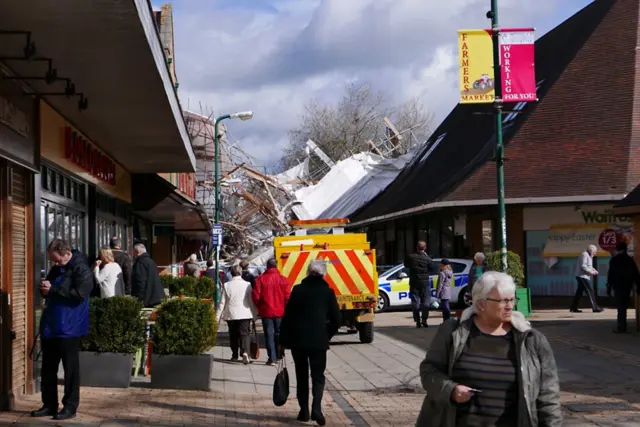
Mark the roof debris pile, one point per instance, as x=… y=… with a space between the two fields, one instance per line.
x=256 y=206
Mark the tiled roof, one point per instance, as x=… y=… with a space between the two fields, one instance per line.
x=575 y=141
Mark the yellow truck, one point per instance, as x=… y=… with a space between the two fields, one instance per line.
x=351 y=267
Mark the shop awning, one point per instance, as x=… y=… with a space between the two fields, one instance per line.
x=111 y=51
x=158 y=200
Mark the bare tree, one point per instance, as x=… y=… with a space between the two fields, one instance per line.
x=346 y=128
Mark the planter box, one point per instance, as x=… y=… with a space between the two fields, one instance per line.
x=105 y=369
x=524 y=301
x=181 y=372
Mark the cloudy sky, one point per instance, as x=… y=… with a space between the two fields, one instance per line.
x=273 y=56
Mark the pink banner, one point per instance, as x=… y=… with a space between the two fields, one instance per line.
x=518 y=67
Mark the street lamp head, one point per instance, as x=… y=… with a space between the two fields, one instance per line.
x=242 y=115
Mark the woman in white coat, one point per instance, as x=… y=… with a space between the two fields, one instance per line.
x=238 y=309
x=109 y=277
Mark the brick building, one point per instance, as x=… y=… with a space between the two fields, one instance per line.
x=569 y=158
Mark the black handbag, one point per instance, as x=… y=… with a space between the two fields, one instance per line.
x=281 y=384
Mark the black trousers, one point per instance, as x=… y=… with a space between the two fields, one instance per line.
x=53 y=351
x=317 y=361
x=420 y=303
x=584 y=286
x=623 y=298
x=239 y=336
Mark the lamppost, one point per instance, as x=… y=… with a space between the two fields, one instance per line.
x=497 y=72
x=243 y=115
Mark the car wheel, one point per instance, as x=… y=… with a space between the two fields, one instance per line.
x=464 y=297
x=383 y=302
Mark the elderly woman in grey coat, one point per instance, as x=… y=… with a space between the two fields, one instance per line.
x=490 y=368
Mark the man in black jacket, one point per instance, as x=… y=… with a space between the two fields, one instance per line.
x=145 y=279
x=311 y=318
x=623 y=273
x=124 y=261
x=420 y=267
x=246 y=274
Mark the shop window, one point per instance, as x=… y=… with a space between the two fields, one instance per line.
x=400 y=245
x=447 y=238
x=433 y=244
x=488 y=243
x=60 y=222
x=62 y=185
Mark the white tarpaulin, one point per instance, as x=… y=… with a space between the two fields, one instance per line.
x=350 y=184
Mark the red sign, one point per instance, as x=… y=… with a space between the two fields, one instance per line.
x=518 y=69
x=609 y=239
x=84 y=154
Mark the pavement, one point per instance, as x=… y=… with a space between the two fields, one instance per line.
x=375 y=384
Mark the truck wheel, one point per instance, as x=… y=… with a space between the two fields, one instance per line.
x=366 y=332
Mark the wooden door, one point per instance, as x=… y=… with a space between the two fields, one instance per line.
x=19 y=269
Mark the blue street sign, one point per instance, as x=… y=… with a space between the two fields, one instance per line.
x=216 y=238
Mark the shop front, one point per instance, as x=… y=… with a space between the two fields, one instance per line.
x=19 y=160
x=555 y=237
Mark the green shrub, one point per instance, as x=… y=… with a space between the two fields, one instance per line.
x=184 y=327
x=167 y=280
x=116 y=325
x=183 y=286
x=514 y=266
x=205 y=288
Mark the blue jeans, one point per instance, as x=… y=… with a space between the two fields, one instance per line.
x=420 y=302
x=271 y=329
x=446 y=309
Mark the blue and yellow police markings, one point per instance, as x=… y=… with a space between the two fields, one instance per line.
x=398 y=290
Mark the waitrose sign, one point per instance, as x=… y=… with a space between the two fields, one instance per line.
x=596 y=217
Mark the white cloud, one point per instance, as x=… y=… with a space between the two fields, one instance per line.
x=233 y=55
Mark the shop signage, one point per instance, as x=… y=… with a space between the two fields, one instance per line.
x=572 y=240
x=477 y=77
x=13 y=118
x=82 y=153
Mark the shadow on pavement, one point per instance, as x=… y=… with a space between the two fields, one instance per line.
x=592 y=361
x=234 y=415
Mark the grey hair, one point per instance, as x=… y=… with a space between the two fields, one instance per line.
x=317 y=268
x=482 y=288
x=193 y=258
x=236 y=271
x=593 y=249
x=139 y=247
x=479 y=256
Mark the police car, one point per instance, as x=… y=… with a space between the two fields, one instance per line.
x=393 y=284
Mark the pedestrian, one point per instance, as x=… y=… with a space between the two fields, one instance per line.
x=210 y=272
x=145 y=280
x=124 y=261
x=65 y=319
x=270 y=296
x=246 y=274
x=191 y=267
x=623 y=273
x=490 y=368
x=108 y=274
x=584 y=275
x=420 y=266
x=445 y=282
x=311 y=318
x=237 y=308
x=478 y=268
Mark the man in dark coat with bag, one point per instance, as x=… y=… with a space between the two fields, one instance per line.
x=311 y=318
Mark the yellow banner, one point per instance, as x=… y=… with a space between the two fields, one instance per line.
x=476 y=67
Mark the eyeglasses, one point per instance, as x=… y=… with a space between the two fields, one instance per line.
x=505 y=302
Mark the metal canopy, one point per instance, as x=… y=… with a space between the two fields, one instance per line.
x=111 y=50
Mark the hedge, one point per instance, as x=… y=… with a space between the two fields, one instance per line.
x=184 y=327
x=189 y=286
x=116 y=325
x=514 y=265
